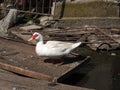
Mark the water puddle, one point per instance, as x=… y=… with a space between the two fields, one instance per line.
x=101 y=73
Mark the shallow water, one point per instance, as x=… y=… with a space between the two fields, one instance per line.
x=101 y=73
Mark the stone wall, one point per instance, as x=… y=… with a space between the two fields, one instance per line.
x=101 y=13
x=97 y=8
x=83 y=1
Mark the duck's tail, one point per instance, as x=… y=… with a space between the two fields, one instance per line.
x=76 y=45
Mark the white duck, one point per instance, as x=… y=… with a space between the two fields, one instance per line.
x=52 y=48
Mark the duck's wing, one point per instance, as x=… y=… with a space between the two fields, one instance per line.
x=58 y=44
x=58 y=49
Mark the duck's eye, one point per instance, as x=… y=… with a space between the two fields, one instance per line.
x=34 y=36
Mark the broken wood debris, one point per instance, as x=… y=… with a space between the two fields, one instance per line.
x=34 y=74
x=94 y=37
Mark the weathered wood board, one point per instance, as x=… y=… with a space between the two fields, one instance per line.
x=11 y=81
x=21 y=58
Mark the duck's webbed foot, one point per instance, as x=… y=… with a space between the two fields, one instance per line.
x=74 y=54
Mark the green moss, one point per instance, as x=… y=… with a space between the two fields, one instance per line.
x=91 y=9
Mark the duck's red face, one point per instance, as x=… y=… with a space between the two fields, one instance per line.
x=34 y=36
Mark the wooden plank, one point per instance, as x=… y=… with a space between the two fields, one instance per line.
x=26 y=62
x=25 y=72
x=10 y=81
x=106 y=34
x=70 y=71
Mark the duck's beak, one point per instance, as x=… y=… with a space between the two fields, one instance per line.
x=30 y=39
x=33 y=37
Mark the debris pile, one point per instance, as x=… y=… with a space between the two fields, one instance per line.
x=92 y=36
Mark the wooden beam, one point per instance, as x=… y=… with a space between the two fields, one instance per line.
x=25 y=72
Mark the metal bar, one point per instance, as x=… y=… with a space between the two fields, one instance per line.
x=25 y=72
x=17 y=5
x=30 y=4
x=36 y=5
x=24 y=1
x=22 y=11
x=43 y=6
x=55 y=7
x=49 y=6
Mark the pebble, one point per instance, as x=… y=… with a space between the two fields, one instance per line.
x=113 y=54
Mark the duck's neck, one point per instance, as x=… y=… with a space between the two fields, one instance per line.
x=40 y=39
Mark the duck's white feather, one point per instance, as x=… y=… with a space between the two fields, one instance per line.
x=53 y=48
